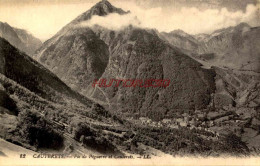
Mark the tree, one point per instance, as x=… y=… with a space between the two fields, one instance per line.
x=38 y=132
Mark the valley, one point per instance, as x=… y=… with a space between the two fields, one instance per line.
x=210 y=108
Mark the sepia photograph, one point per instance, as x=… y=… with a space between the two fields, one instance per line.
x=129 y=82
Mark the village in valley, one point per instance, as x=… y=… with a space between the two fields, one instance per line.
x=240 y=121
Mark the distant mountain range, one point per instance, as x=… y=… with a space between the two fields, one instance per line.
x=19 y=38
x=233 y=47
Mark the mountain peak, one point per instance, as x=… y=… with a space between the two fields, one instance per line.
x=5 y=24
x=242 y=25
x=239 y=27
x=179 y=32
x=104 y=4
x=102 y=8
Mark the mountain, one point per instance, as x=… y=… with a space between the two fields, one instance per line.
x=19 y=38
x=139 y=54
x=52 y=116
x=79 y=55
x=78 y=50
x=37 y=110
x=180 y=39
x=201 y=37
x=233 y=47
x=237 y=88
x=9 y=34
x=22 y=69
x=102 y=8
x=232 y=53
x=30 y=42
x=208 y=112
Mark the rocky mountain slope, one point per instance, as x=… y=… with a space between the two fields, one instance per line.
x=78 y=50
x=139 y=54
x=242 y=87
x=203 y=111
x=37 y=110
x=79 y=55
x=19 y=38
x=233 y=47
x=52 y=116
x=178 y=38
x=233 y=53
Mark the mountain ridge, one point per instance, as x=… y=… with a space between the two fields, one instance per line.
x=102 y=8
x=119 y=48
x=35 y=106
x=228 y=47
x=19 y=38
x=209 y=111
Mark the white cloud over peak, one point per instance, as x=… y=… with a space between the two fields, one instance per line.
x=112 y=21
x=44 y=21
x=190 y=20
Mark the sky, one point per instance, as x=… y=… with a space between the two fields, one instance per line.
x=44 y=18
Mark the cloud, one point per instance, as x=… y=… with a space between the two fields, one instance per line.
x=191 y=20
x=44 y=21
x=112 y=21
